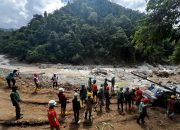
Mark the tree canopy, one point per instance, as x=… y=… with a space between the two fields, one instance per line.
x=98 y=32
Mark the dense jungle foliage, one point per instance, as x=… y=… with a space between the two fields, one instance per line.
x=99 y=32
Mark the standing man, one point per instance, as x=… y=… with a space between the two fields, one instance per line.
x=89 y=104
x=170 y=107
x=89 y=84
x=112 y=84
x=107 y=97
x=63 y=101
x=94 y=90
x=128 y=99
x=15 y=98
x=143 y=111
x=10 y=78
x=83 y=94
x=100 y=96
x=105 y=83
x=55 y=80
x=76 y=107
x=52 y=116
x=36 y=82
x=120 y=98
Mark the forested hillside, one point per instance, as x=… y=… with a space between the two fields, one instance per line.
x=98 y=32
x=85 y=31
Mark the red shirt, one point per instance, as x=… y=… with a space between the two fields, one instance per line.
x=62 y=97
x=171 y=104
x=52 y=117
x=94 y=88
x=138 y=92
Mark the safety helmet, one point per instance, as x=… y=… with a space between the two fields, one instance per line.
x=145 y=100
x=52 y=103
x=61 y=89
x=89 y=94
x=173 y=96
x=76 y=95
x=94 y=81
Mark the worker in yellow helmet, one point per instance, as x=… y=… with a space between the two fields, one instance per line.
x=89 y=103
x=170 y=107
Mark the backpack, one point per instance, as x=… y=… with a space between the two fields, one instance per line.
x=120 y=95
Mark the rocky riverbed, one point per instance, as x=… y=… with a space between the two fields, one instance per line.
x=166 y=75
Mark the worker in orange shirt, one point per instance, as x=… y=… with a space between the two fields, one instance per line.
x=94 y=90
x=52 y=116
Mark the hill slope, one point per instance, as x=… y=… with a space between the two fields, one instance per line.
x=84 y=31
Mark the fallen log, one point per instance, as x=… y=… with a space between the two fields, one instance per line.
x=174 y=91
x=23 y=123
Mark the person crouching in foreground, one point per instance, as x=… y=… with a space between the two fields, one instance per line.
x=15 y=98
x=143 y=110
x=52 y=116
x=76 y=107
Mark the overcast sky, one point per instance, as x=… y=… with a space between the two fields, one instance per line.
x=17 y=13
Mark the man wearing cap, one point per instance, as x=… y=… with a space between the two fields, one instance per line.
x=52 y=116
x=76 y=107
x=63 y=100
x=170 y=107
x=10 y=78
x=89 y=104
x=143 y=110
x=15 y=98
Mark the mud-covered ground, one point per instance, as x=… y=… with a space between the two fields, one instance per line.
x=34 y=105
x=34 y=108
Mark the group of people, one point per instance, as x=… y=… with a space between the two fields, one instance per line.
x=94 y=96
x=90 y=97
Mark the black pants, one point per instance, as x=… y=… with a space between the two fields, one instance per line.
x=76 y=116
x=141 y=117
x=128 y=103
x=55 y=84
x=107 y=103
x=120 y=102
x=18 y=111
x=9 y=82
x=88 y=111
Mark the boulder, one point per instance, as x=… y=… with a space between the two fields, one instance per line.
x=99 y=71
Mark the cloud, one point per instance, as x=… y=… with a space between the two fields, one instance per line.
x=132 y=4
x=17 y=13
